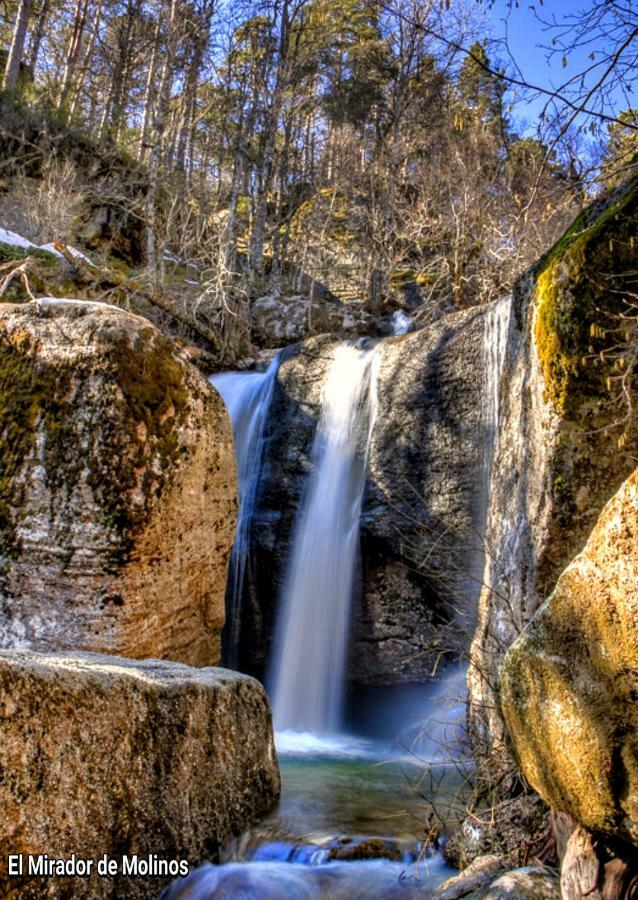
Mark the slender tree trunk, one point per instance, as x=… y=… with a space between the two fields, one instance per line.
x=154 y=263
x=16 y=50
x=75 y=49
x=38 y=34
x=149 y=93
x=86 y=60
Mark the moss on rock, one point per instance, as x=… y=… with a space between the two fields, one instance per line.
x=568 y=684
x=580 y=292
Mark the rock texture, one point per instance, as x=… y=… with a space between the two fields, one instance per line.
x=282 y=320
x=103 y=755
x=424 y=504
x=568 y=684
x=528 y=883
x=557 y=458
x=478 y=875
x=486 y=879
x=117 y=487
x=517 y=830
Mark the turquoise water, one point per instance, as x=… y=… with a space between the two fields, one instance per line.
x=351 y=823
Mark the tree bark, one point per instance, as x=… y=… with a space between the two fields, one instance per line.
x=16 y=51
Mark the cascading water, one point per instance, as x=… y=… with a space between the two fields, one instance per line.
x=308 y=673
x=247 y=396
x=497 y=319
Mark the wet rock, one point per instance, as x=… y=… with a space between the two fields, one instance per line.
x=103 y=755
x=117 y=495
x=568 y=684
x=347 y=848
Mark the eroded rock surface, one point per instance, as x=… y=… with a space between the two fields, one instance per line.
x=103 y=755
x=117 y=492
x=568 y=684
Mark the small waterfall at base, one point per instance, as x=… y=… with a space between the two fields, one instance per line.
x=308 y=673
x=247 y=396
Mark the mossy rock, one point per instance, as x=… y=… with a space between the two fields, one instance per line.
x=144 y=401
x=581 y=293
x=117 y=492
x=569 y=683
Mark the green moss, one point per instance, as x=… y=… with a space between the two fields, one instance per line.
x=133 y=429
x=8 y=253
x=154 y=404
x=580 y=292
x=26 y=389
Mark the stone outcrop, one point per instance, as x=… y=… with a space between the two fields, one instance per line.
x=103 y=755
x=568 y=685
x=117 y=489
x=424 y=503
x=280 y=320
x=562 y=449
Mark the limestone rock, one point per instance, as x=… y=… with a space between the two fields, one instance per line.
x=557 y=460
x=117 y=492
x=517 y=830
x=103 y=755
x=568 y=684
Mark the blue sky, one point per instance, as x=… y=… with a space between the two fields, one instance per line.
x=526 y=36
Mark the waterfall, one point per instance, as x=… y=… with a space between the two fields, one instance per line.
x=247 y=396
x=497 y=319
x=312 y=633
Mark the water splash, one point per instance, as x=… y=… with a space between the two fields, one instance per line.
x=311 y=640
x=400 y=322
x=247 y=396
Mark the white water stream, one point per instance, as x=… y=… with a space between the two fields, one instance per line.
x=247 y=396
x=308 y=673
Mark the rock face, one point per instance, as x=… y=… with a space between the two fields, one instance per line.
x=117 y=492
x=557 y=457
x=103 y=755
x=424 y=503
x=568 y=685
x=279 y=320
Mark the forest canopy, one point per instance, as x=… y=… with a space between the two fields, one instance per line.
x=354 y=148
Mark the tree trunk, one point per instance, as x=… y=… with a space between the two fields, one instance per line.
x=38 y=34
x=17 y=45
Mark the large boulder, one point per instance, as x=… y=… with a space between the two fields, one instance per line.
x=137 y=760
x=564 y=446
x=568 y=684
x=117 y=487
x=424 y=503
